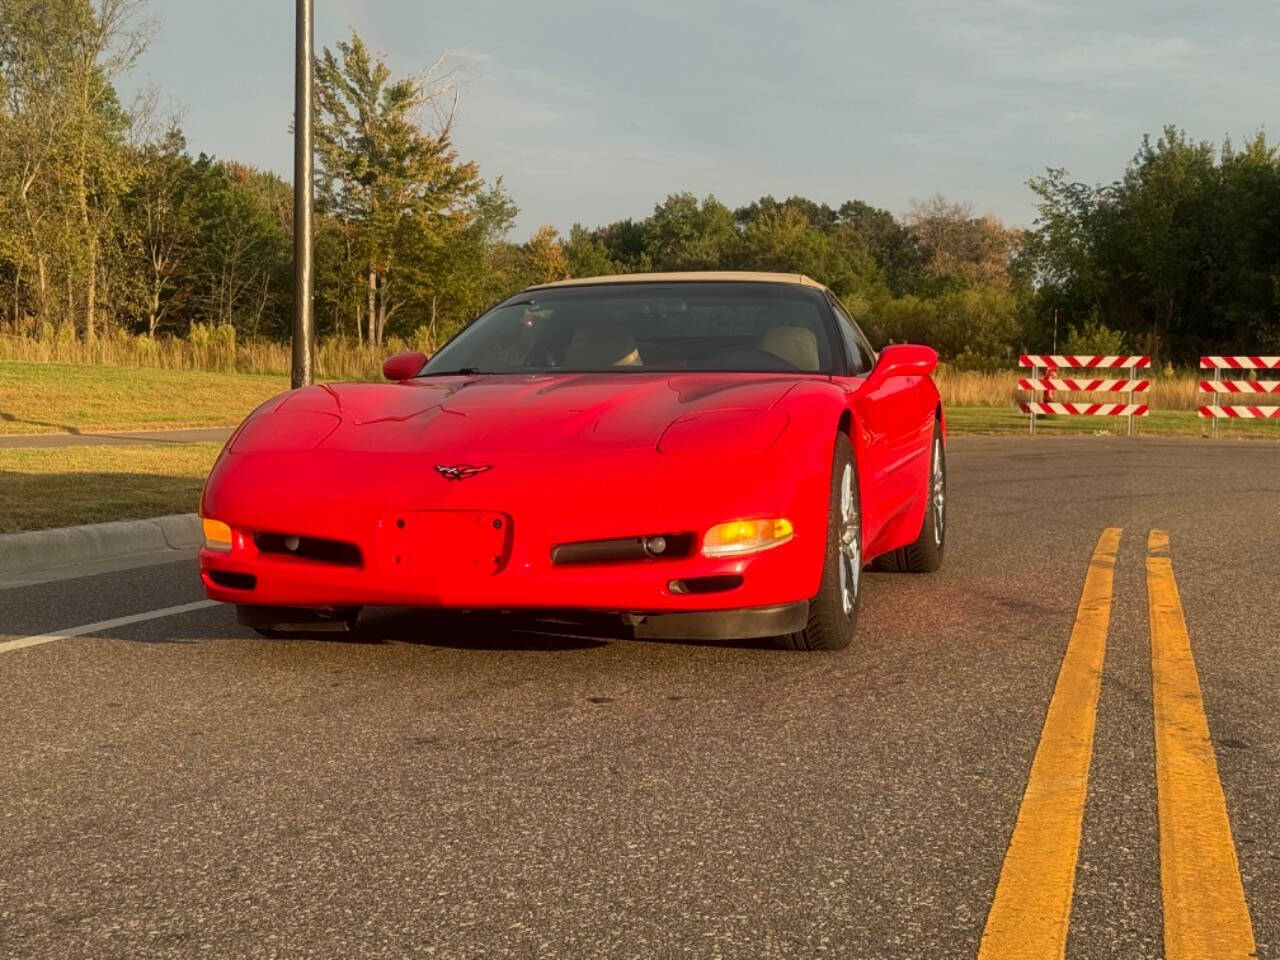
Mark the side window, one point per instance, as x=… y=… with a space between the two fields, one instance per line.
x=861 y=357
x=869 y=356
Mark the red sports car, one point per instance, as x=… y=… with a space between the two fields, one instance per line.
x=712 y=455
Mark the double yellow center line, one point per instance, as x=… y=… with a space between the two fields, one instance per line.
x=1205 y=913
x=1032 y=905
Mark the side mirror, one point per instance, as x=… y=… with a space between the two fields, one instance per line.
x=403 y=366
x=903 y=360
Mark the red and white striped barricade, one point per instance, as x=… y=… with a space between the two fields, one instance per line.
x=1051 y=364
x=1239 y=389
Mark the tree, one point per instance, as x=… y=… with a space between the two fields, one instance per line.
x=894 y=248
x=852 y=271
x=962 y=247
x=241 y=269
x=160 y=228
x=544 y=257
x=107 y=46
x=63 y=133
x=473 y=270
x=1179 y=255
x=816 y=214
x=781 y=240
x=685 y=235
x=1164 y=195
x=624 y=243
x=397 y=187
x=1093 y=337
x=587 y=255
x=1246 y=245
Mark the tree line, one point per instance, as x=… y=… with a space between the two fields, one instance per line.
x=108 y=224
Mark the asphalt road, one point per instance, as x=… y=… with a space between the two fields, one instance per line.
x=211 y=434
x=178 y=787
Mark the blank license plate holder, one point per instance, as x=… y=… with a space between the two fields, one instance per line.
x=445 y=543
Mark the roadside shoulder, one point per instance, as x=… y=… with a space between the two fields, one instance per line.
x=38 y=555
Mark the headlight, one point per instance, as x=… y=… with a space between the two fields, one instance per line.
x=217 y=535
x=739 y=537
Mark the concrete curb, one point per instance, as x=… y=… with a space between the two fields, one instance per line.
x=66 y=546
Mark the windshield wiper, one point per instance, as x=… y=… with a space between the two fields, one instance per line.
x=460 y=372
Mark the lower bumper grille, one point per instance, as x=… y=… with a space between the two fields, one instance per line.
x=232 y=580
x=662 y=546
x=309 y=548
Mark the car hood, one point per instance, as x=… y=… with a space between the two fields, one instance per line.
x=527 y=414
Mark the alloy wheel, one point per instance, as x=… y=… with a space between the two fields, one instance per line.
x=850 y=543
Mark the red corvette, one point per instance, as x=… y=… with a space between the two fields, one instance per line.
x=706 y=455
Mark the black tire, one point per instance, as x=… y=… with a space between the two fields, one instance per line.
x=926 y=554
x=833 y=613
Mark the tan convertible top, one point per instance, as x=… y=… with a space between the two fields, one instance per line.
x=689 y=276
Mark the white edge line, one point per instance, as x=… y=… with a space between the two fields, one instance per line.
x=70 y=632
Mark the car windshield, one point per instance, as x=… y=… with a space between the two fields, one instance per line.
x=628 y=328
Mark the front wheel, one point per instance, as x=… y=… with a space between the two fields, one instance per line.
x=925 y=555
x=833 y=613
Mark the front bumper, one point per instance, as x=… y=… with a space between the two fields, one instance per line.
x=744 y=624
x=525 y=508
x=767 y=580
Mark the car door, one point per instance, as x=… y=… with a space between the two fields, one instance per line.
x=889 y=417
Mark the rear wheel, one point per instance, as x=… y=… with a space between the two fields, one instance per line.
x=833 y=613
x=925 y=555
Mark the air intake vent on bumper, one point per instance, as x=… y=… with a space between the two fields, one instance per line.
x=660 y=546
x=309 y=548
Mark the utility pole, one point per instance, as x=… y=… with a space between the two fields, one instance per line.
x=304 y=321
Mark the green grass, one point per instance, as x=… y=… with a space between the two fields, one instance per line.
x=1177 y=423
x=69 y=398
x=63 y=486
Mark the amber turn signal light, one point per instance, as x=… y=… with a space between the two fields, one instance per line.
x=740 y=537
x=217 y=535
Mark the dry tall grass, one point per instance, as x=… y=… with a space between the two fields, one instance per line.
x=966 y=388
x=335 y=359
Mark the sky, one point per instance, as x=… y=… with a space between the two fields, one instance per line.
x=595 y=111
